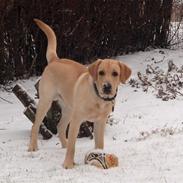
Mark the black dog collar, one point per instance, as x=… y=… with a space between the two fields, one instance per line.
x=103 y=98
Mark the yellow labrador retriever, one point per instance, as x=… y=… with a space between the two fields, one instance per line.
x=85 y=94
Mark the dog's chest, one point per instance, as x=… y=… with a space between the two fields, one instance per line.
x=101 y=107
x=98 y=111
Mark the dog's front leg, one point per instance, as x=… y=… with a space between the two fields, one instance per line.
x=73 y=132
x=99 y=128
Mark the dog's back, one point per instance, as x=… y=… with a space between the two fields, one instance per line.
x=63 y=74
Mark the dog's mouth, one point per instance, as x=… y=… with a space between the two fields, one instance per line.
x=105 y=93
x=108 y=96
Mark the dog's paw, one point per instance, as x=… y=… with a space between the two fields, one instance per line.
x=68 y=165
x=32 y=148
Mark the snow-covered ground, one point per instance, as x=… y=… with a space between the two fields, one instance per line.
x=139 y=136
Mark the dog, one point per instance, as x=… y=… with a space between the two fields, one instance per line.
x=84 y=93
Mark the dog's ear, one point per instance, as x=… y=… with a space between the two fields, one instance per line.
x=93 y=68
x=125 y=72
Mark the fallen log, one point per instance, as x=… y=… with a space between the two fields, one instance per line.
x=86 y=130
x=30 y=114
x=23 y=96
x=30 y=110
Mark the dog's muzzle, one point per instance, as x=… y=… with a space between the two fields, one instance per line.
x=104 y=98
x=107 y=88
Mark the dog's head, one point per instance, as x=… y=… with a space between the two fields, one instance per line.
x=107 y=75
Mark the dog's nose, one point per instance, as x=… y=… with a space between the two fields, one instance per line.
x=107 y=88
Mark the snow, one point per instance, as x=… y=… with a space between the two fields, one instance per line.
x=156 y=156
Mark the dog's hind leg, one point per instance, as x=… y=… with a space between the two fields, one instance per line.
x=43 y=106
x=63 y=124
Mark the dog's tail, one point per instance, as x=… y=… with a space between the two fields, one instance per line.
x=51 y=53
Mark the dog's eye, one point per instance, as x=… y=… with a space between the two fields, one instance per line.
x=101 y=73
x=114 y=74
